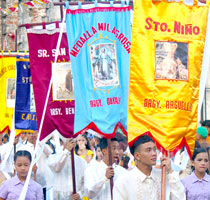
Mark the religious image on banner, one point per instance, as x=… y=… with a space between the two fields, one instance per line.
x=171 y=60
x=167 y=52
x=63 y=88
x=11 y=91
x=100 y=56
x=32 y=100
x=59 y=113
x=104 y=64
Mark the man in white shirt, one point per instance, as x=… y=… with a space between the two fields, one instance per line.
x=144 y=181
x=61 y=166
x=98 y=175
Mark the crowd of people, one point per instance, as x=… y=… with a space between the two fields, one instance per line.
x=103 y=169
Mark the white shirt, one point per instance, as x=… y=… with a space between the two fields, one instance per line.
x=43 y=169
x=9 y=165
x=135 y=185
x=60 y=164
x=96 y=183
x=28 y=147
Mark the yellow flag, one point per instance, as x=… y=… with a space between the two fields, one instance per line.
x=165 y=67
x=7 y=91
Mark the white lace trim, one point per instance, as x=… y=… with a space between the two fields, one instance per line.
x=45 y=31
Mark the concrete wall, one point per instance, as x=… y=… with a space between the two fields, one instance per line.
x=25 y=14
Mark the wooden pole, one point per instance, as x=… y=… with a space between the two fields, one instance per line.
x=35 y=175
x=61 y=10
x=163 y=181
x=73 y=172
x=110 y=164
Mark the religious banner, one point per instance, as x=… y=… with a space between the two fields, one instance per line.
x=7 y=91
x=60 y=107
x=166 y=59
x=25 y=110
x=99 y=41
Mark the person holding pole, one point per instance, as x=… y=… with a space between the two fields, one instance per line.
x=144 y=181
x=61 y=166
x=99 y=174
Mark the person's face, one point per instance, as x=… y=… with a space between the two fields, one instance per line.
x=114 y=151
x=23 y=136
x=96 y=140
x=5 y=140
x=70 y=144
x=30 y=137
x=197 y=137
x=201 y=162
x=81 y=141
x=99 y=154
x=92 y=142
x=35 y=134
x=146 y=154
x=22 y=165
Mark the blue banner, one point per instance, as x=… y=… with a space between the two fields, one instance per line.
x=25 y=111
x=99 y=41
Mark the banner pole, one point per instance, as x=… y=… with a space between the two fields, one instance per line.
x=163 y=181
x=73 y=172
x=110 y=164
x=25 y=187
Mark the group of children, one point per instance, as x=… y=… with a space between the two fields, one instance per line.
x=125 y=174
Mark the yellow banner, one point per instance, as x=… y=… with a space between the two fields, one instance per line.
x=7 y=91
x=165 y=67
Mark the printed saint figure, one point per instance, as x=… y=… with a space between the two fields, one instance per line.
x=105 y=63
x=69 y=85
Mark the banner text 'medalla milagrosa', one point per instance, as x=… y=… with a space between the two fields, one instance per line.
x=101 y=27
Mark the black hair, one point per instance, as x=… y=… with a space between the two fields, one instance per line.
x=22 y=153
x=52 y=146
x=6 y=136
x=205 y=123
x=121 y=137
x=125 y=160
x=141 y=140
x=87 y=146
x=96 y=147
x=104 y=142
x=199 y=150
